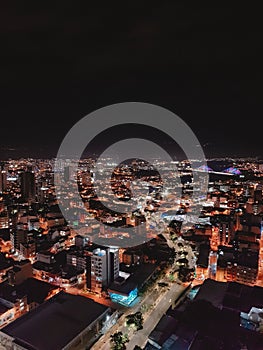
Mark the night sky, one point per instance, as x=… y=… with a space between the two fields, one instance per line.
x=58 y=63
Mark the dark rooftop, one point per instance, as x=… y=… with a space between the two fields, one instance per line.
x=217 y=328
x=204 y=251
x=231 y=295
x=248 y=258
x=4 y=262
x=36 y=290
x=52 y=268
x=56 y=322
x=3 y=308
x=164 y=329
x=137 y=278
x=212 y=291
x=10 y=293
x=211 y=320
x=69 y=271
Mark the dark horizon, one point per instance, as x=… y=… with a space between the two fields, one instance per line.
x=203 y=64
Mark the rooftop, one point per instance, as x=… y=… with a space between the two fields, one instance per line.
x=56 y=322
x=36 y=290
x=208 y=323
x=136 y=279
x=10 y=293
x=3 y=308
x=212 y=291
x=231 y=295
x=203 y=255
x=4 y=262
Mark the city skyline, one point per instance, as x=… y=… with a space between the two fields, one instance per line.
x=131 y=176
x=122 y=275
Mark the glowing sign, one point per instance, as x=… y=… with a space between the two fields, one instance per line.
x=124 y=300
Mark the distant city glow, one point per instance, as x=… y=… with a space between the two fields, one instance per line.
x=232 y=170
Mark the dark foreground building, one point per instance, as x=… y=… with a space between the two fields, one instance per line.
x=61 y=323
x=222 y=316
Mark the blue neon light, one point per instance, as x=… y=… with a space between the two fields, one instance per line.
x=124 y=300
x=233 y=171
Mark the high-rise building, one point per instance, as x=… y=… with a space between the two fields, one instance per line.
x=249 y=190
x=78 y=259
x=101 y=264
x=17 y=237
x=241 y=274
x=4 y=220
x=212 y=264
x=28 y=250
x=28 y=186
x=114 y=264
x=226 y=231
x=98 y=270
x=3 y=180
x=102 y=268
x=69 y=173
x=258 y=194
x=13 y=218
x=42 y=192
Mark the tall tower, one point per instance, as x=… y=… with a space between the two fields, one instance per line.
x=3 y=179
x=212 y=264
x=69 y=172
x=18 y=237
x=98 y=270
x=238 y=214
x=258 y=194
x=226 y=232
x=102 y=268
x=28 y=186
x=260 y=260
x=114 y=264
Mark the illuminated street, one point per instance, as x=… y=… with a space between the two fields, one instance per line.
x=162 y=304
x=159 y=301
